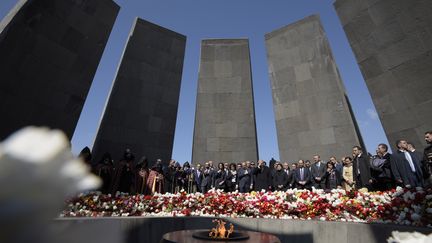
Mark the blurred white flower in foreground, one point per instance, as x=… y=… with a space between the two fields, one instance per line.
x=40 y=160
x=37 y=172
x=406 y=237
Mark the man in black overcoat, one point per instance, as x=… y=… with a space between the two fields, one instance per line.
x=262 y=177
x=361 y=168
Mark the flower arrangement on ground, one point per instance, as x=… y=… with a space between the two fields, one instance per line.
x=399 y=206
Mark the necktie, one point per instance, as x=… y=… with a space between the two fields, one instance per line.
x=358 y=166
x=408 y=157
x=301 y=174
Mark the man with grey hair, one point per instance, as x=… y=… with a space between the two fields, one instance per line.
x=318 y=171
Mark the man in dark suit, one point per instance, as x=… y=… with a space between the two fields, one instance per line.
x=406 y=166
x=361 y=168
x=262 y=177
x=318 y=171
x=381 y=173
x=411 y=148
x=302 y=176
x=198 y=176
x=291 y=172
x=244 y=178
x=338 y=165
x=307 y=165
x=207 y=179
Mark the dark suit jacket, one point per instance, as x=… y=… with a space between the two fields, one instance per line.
x=280 y=178
x=306 y=177
x=244 y=180
x=426 y=165
x=169 y=177
x=219 y=179
x=262 y=178
x=385 y=170
x=198 y=179
x=207 y=178
x=363 y=164
x=318 y=172
x=402 y=170
x=337 y=179
x=229 y=181
x=290 y=177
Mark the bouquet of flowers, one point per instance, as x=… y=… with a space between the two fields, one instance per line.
x=398 y=206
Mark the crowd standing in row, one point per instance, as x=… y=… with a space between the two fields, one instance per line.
x=406 y=167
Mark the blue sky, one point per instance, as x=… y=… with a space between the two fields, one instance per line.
x=201 y=19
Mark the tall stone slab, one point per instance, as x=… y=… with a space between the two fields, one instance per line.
x=312 y=111
x=141 y=110
x=392 y=42
x=49 y=53
x=225 y=128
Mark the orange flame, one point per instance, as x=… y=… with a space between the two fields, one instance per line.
x=220 y=232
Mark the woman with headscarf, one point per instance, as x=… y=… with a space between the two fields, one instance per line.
x=141 y=175
x=155 y=181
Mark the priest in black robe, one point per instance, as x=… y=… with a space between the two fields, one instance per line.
x=124 y=173
x=105 y=170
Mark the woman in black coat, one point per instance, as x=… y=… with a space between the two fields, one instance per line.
x=280 y=179
x=231 y=179
x=220 y=177
x=332 y=177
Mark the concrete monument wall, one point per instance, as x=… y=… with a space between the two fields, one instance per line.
x=49 y=53
x=141 y=110
x=312 y=111
x=225 y=128
x=392 y=42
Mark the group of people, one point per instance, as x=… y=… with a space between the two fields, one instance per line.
x=406 y=167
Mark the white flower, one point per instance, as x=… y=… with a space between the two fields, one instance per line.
x=407 y=237
x=415 y=217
